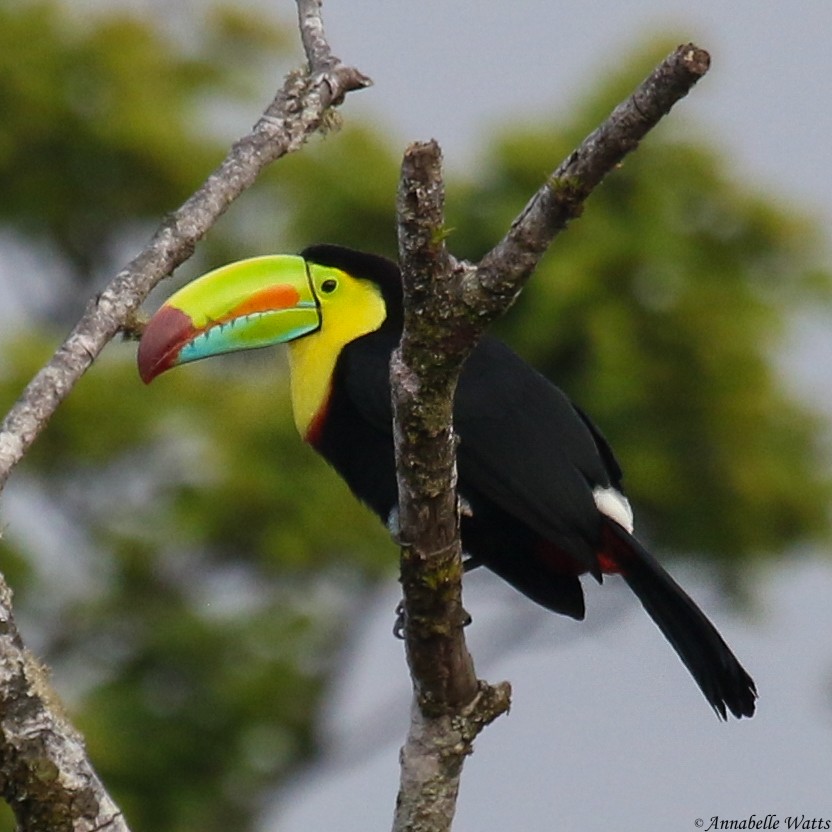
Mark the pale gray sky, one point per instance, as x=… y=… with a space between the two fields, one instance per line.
x=451 y=70
x=606 y=731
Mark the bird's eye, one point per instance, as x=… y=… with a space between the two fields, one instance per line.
x=329 y=285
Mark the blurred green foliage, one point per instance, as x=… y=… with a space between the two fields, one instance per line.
x=118 y=108
x=219 y=559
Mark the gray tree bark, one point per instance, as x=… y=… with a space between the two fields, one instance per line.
x=448 y=306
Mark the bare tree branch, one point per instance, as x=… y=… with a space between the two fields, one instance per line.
x=297 y=111
x=450 y=706
x=44 y=773
x=448 y=306
x=501 y=274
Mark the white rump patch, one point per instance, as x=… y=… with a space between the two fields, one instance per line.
x=615 y=505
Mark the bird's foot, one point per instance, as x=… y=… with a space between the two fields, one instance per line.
x=401 y=621
x=400 y=624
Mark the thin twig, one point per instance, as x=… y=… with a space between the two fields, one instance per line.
x=501 y=274
x=44 y=771
x=296 y=112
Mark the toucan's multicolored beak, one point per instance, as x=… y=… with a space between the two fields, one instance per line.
x=252 y=303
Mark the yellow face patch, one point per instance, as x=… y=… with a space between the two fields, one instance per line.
x=350 y=307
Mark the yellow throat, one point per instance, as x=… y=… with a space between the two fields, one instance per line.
x=355 y=308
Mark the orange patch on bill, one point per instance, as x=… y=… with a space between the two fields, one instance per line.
x=281 y=296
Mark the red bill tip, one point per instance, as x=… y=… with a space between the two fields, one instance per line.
x=165 y=334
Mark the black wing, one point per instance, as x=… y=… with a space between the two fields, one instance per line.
x=523 y=445
x=526 y=448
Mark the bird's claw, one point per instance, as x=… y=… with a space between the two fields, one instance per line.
x=400 y=624
x=401 y=621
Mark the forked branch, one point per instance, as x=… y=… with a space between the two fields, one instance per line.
x=448 y=306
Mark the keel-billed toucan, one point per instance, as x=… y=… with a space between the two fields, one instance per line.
x=541 y=487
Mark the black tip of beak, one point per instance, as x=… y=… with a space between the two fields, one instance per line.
x=164 y=336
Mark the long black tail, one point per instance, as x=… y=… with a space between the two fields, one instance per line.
x=710 y=661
